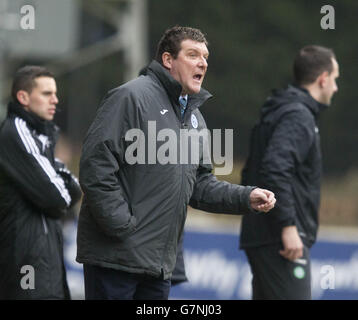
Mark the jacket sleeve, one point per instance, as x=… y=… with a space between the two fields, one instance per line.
x=288 y=147
x=32 y=172
x=216 y=196
x=70 y=180
x=102 y=155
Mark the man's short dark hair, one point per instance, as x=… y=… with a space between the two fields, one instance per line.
x=310 y=62
x=24 y=79
x=172 y=39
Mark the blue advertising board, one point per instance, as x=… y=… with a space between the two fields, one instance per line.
x=217 y=270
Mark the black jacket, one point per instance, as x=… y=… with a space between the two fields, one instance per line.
x=133 y=215
x=285 y=157
x=35 y=191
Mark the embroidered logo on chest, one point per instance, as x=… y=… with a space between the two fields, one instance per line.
x=194 y=121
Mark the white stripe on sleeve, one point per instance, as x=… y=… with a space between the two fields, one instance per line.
x=45 y=164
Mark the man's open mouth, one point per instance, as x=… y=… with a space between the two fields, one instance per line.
x=198 y=77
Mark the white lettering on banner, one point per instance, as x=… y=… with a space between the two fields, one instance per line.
x=211 y=270
x=231 y=278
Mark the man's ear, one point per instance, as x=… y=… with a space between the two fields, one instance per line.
x=23 y=97
x=322 y=79
x=167 y=60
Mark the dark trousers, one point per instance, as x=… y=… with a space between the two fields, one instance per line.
x=276 y=278
x=109 y=284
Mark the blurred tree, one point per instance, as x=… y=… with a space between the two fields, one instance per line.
x=252 y=46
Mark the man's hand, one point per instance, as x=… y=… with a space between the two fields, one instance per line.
x=262 y=200
x=292 y=243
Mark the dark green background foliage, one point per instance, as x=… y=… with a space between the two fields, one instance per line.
x=252 y=45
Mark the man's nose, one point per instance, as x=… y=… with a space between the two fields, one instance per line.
x=203 y=63
x=54 y=99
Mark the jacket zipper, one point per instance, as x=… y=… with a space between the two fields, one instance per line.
x=182 y=126
x=44 y=224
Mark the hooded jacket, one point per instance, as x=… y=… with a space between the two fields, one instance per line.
x=285 y=157
x=35 y=191
x=133 y=214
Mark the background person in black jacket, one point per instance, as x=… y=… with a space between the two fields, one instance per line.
x=36 y=191
x=133 y=214
x=285 y=157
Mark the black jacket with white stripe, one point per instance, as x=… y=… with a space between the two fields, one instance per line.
x=35 y=191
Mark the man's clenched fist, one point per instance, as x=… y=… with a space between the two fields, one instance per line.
x=262 y=199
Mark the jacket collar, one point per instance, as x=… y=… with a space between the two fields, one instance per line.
x=312 y=104
x=281 y=97
x=174 y=88
x=42 y=126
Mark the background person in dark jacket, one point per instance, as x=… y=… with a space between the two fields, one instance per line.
x=133 y=213
x=36 y=190
x=285 y=157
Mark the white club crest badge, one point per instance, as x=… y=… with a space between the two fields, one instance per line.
x=194 y=121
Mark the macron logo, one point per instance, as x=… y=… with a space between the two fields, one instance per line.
x=163 y=112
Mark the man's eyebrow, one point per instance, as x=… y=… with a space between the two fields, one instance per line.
x=48 y=91
x=197 y=51
x=192 y=49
